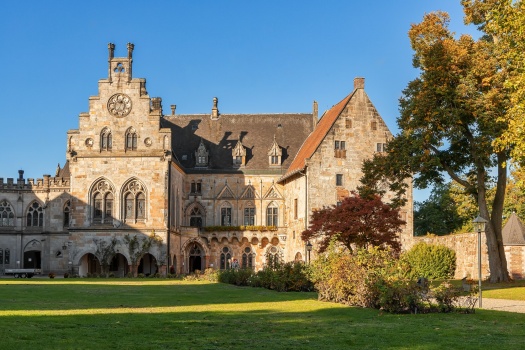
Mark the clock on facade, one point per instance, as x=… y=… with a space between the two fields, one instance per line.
x=119 y=105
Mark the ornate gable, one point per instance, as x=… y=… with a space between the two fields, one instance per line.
x=226 y=193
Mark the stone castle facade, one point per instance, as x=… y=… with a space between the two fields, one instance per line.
x=210 y=190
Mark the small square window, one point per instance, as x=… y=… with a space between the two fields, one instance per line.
x=373 y=125
x=339 y=179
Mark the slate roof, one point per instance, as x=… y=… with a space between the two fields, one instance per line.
x=313 y=141
x=64 y=171
x=514 y=232
x=256 y=132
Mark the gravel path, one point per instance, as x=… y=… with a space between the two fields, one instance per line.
x=503 y=305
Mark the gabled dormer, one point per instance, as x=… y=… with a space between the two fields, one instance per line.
x=275 y=154
x=239 y=155
x=201 y=156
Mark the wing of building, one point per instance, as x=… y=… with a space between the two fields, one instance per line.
x=146 y=192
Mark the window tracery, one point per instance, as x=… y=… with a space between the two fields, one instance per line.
x=7 y=216
x=102 y=201
x=35 y=215
x=131 y=139
x=106 y=140
x=134 y=202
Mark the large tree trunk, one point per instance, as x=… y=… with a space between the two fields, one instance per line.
x=493 y=231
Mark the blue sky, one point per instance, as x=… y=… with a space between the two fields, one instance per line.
x=255 y=56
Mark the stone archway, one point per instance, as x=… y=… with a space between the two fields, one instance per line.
x=119 y=266
x=89 y=265
x=196 y=258
x=147 y=265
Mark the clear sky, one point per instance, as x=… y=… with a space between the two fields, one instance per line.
x=255 y=56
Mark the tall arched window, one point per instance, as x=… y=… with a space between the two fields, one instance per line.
x=226 y=214
x=272 y=215
x=249 y=214
x=134 y=202
x=35 y=215
x=67 y=209
x=226 y=258
x=131 y=139
x=106 y=140
x=248 y=258
x=274 y=256
x=7 y=216
x=102 y=200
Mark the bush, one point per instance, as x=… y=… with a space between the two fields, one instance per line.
x=430 y=261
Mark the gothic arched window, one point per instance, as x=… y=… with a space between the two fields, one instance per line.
x=106 y=140
x=248 y=258
x=7 y=216
x=35 y=215
x=134 y=202
x=131 y=139
x=67 y=211
x=249 y=214
x=102 y=200
x=226 y=258
x=195 y=217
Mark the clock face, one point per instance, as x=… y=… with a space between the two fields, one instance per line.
x=119 y=105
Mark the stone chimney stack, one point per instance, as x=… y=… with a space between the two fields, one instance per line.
x=20 y=174
x=359 y=83
x=315 y=113
x=215 y=109
x=173 y=108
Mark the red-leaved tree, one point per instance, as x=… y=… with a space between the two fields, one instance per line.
x=357 y=222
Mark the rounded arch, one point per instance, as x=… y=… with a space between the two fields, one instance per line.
x=134 y=198
x=274 y=255
x=195 y=214
x=298 y=257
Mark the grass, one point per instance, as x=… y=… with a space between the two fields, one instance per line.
x=170 y=314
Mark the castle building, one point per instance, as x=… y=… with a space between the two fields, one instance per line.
x=205 y=190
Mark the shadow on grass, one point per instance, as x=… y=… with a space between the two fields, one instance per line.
x=124 y=314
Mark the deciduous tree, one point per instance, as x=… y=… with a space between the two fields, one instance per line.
x=450 y=116
x=357 y=223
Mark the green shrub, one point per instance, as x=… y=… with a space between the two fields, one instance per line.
x=430 y=261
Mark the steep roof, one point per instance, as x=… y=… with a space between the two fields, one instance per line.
x=313 y=141
x=514 y=232
x=220 y=136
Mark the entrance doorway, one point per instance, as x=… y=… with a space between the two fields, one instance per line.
x=32 y=260
x=196 y=259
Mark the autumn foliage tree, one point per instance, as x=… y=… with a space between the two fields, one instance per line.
x=356 y=222
x=451 y=115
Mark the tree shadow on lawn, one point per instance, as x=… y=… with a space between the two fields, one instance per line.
x=323 y=325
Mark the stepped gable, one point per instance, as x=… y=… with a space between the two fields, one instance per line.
x=316 y=137
x=220 y=135
x=514 y=232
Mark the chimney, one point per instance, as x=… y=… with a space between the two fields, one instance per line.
x=315 y=113
x=20 y=174
x=359 y=83
x=215 y=109
x=173 y=108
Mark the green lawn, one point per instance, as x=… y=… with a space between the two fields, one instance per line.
x=169 y=314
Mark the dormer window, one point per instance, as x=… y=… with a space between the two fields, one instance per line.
x=201 y=155
x=239 y=154
x=275 y=154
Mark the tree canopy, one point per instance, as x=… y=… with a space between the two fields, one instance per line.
x=449 y=118
x=356 y=222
